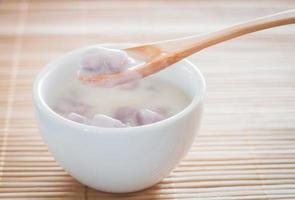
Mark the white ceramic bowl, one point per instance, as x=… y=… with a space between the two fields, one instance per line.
x=118 y=159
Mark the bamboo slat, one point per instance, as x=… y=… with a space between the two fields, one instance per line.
x=246 y=146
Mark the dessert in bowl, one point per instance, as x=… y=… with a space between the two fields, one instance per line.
x=135 y=103
x=136 y=152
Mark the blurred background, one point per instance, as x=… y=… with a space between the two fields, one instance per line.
x=246 y=145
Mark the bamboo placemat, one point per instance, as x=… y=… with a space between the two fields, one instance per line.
x=246 y=145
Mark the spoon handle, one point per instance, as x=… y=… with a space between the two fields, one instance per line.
x=193 y=44
x=175 y=50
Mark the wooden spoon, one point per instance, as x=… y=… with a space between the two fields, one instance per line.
x=160 y=55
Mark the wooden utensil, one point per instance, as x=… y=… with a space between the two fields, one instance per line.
x=160 y=55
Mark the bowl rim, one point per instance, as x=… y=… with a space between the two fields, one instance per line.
x=40 y=103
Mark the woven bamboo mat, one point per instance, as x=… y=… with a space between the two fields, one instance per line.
x=246 y=145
